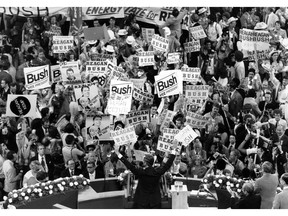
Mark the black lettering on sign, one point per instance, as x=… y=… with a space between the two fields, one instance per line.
x=20 y=106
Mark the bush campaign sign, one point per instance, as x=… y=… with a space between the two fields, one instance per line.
x=159 y=43
x=193 y=46
x=62 y=44
x=191 y=74
x=169 y=83
x=37 y=77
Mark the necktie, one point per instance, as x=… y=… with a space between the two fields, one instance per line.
x=72 y=172
x=266 y=20
x=43 y=164
x=276 y=125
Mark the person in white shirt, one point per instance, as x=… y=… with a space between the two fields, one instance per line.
x=271 y=18
x=30 y=177
x=277 y=120
x=283 y=98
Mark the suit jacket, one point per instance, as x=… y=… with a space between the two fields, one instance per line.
x=249 y=202
x=49 y=163
x=281 y=200
x=66 y=173
x=99 y=173
x=267 y=186
x=235 y=104
x=148 y=190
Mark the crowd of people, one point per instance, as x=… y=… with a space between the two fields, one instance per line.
x=247 y=105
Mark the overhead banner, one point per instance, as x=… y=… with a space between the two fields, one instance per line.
x=196 y=94
x=120 y=97
x=62 y=44
x=90 y=13
x=37 y=77
x=186 y=135
x=34 y=11
x=169 y=83
x=173 y=58
x=196 y=120
x=146 y=58
x=98 y=128
x=193 y=46
x=166 y=117
x=197 y=32
x=254 y=40
x=140 y=95
x=191 y=74
x=148 y=34
x=124 y=136
x=56 y=73
x=21 y=106
x=134 y=118
x=160 y=43
x=70 y=72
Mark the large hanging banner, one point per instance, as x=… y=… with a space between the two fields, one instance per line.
x=196 y=94
x=140 y=95
x=135 y=118
x=191 y=74
x=90 y=13
x=192 y=46
x=124 y=136
x=160 y=43
x=120 y=98
x=169 y=83
x=37 y=77
x=34 y=11
x=21 y=105
x=98 y=128
x=62 y=44
x=252 y=39
x=196 y=120
x=70 y=72
x=146 y=58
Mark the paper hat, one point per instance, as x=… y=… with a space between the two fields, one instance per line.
x=167 y=31
x=92 y=42
x=231 y=19
x=109 y=48
x=130 y=40
x=260 y=26
x=202 y=10
x=111 y=35
x=274 y=51
x=122 y=32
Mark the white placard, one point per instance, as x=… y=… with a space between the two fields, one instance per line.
x=197 y=32
x=140 y=95
x=124 y=136
x=169 y=83
x=173 y=58
x=21 y=105
x=191 y=74
x=254 y=40
x=137 y=117
x=56 y=75
x=62 y=44
x=160 y=43
x=196 y=94
x=193 y=46
x=70 y=72
x=37 y=77
x=195 y=120
x=186 y=135
x=146 y=58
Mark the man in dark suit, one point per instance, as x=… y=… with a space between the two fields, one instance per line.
x=147 y=193
x=43 y=131
x=268 y=104
x=71 y=170
x=249 y=201
x=236 y=100
x=44 y=160
x=93 y=172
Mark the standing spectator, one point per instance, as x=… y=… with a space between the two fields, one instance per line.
x=281 y=199
x=270 y=18
x=266 y=186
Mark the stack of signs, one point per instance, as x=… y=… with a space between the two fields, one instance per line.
x=145 y=58
x=135 y=118
x=191 y=74
x=186 y=135
x=173 y=58
x=148 y=34
x=197 y=32
x=70 y=72
x=21 y=106
x=98 y=128
x=196 y=120
x=160 y=43
x=196 y=94
x=193 y=46
x=55 y=73
x=140 y=95
x=253 y=40
x=169 y=83
x=37 y=77
x=62 y=44
x=124 y=136
x=120 y=97
x=166 y=118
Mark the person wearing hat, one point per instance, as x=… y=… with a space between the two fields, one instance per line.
x=203 y=21
x=174 y=23
x=233 y=35
x=270 y=18
x=128 y=49
x=224 y=20
x=122 y=33
x=147 y=195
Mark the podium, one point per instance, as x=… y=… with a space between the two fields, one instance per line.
x=179 y=196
